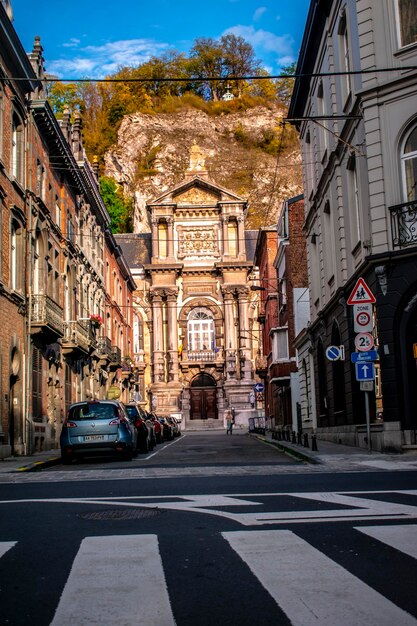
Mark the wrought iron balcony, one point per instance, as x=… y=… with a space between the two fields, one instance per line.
x=404 y=224
x=104 y=348
x=77 y=336
x=46 y=316
x=116 y=358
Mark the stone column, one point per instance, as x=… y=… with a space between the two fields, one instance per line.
x=172 y=348
x=244 y=337
x=229 y=332
x=170 y=235
x=158 y=337
x=225 y=221
x=241 y=247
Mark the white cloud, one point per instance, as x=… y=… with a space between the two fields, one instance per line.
x=258 y=13
x=72 y=43
x=99 y=61
x=276 y=51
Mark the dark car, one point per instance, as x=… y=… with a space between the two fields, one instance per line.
x=97 y=427
x=167 y=428
x=139 y=418
x=175 y=426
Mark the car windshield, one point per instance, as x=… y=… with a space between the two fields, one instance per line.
x=92 y=411
x=132 y=411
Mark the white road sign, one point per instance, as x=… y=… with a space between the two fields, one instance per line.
x=363 y=319
x=364 y=342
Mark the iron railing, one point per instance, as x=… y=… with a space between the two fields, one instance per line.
x=404 y=224
x=46 y=312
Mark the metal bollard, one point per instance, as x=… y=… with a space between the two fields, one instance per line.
x=305 y=444
x=314 y=442
x=299 y=437
x=279 y=435
x=293 y=437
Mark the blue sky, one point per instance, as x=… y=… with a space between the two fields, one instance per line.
x=93 y=39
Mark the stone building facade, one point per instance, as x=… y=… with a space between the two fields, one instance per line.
x=196 y=304
x=354 y=106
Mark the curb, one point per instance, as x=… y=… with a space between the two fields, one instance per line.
x=288 y=449
x=37 y=466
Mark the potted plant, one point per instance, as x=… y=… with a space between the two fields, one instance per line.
x=96 y=320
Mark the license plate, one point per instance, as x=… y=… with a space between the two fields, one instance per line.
x=94 y=438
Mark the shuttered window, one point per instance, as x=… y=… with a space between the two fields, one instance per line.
x=36 y=385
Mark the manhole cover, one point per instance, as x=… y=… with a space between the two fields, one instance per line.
x=121 y=514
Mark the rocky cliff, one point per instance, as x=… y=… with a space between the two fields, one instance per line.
x=249 y=152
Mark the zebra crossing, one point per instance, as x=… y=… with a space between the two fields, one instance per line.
x=113 y=580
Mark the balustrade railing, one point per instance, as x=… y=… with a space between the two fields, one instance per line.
x=404 y=224
x=46 y=312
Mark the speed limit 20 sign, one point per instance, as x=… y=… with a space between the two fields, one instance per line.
x=364 y=342
x=363 y=318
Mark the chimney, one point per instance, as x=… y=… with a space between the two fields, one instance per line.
x=36 y=59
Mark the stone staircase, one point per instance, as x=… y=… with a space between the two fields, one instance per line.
x=209 y=424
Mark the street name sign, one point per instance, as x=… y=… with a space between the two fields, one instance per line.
x=365 y=371
x=361 y=294
x=363 y=319
x=370 y=355
x=364 y=342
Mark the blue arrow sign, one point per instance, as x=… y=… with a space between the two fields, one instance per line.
x=370 y=355
x=258 y=387
x=365 y=371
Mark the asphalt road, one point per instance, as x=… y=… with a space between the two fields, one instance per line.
x=81 y=546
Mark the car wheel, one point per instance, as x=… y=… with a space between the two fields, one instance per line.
x=145 y=446
x=66 y=460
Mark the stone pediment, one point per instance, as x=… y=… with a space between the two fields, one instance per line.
x=196 y=196
x=196 y=192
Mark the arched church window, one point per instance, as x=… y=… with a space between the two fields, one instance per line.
x=200 y=329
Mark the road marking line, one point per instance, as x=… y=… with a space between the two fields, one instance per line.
x=403 y=537
x=113 y=581
x=5 y=546
x=308 y=586
x=164 y=448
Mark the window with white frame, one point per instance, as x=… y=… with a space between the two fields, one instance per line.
x=354 y=201
x=17 y=155
x=345 y=63
x=406 y=12
x=321 y=110
x=16 y=255
x=200 y=329
x=409 y=166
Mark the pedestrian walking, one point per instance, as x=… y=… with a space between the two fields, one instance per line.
x=229 y=422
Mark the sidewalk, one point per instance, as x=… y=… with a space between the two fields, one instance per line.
x=336 y=455
x=32 y=463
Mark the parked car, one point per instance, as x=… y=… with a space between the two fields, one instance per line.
x=176 y=427
x=139 y=419
x=158 y=427
x=97 y=427
x=151 y=426
x=167 y=428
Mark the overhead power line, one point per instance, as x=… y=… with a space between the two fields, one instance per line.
x=204 y=79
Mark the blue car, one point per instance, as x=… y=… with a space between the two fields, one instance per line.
x=97 y=427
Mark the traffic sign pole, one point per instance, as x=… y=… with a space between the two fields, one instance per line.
x=368 y=421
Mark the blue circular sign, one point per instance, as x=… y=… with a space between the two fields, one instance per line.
x=333 y=353
x=259 y=387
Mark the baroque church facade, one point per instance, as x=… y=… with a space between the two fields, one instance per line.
x=193 y=274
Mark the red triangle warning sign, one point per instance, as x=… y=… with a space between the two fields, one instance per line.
x=361 y=294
